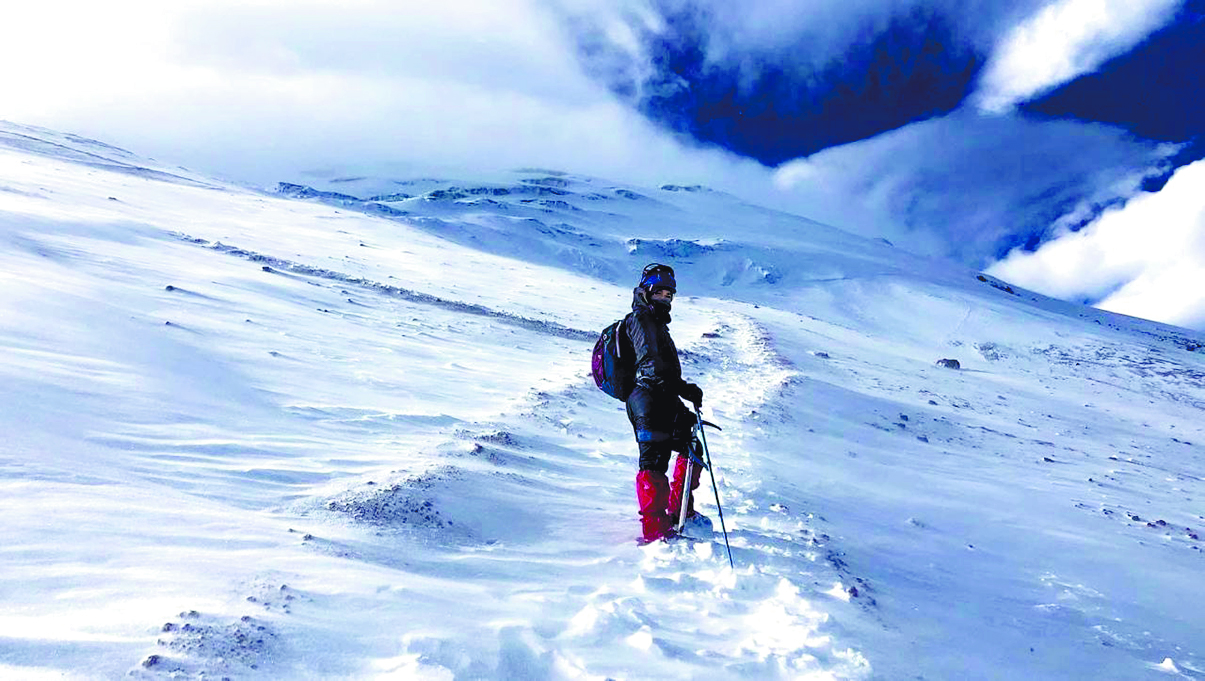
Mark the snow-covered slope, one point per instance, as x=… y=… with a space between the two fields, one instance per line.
x=304 y=435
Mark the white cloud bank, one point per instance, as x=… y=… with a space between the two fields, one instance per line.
x=1062 y=41
x=259 y=90
x=1146 y=259
x=961 y=185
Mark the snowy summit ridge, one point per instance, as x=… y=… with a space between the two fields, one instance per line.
x=346 y=430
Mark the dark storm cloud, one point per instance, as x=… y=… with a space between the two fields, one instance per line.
x=773 y=81
x=1156 y=91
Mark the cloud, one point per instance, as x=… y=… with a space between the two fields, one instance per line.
x=1065 y=39
x=1146 y=259
x=806 y=33
x=776 y=80
x=261 y=90
x=969 y=186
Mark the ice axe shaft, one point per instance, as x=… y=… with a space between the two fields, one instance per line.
x=714 y=487
x=692 y=460
x=686 y=491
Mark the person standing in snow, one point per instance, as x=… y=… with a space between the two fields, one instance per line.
x=661 y=422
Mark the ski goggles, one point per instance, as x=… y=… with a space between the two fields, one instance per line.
x=656 y=276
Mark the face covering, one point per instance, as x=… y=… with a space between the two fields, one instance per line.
x=661 y=309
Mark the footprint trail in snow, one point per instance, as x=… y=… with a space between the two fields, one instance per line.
x=684 y=604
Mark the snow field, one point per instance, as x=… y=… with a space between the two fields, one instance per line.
x=219 y=379
x=266 y=438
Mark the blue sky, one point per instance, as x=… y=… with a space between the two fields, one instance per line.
x=1033 y=138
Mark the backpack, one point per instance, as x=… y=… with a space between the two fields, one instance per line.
x=614 y=361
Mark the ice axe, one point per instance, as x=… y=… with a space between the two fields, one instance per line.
x=692 y=460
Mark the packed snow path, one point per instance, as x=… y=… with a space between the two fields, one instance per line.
x=265 y=438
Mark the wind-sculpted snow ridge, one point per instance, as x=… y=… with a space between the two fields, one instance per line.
x=373 y=206
x=90 y=153
x=720 y=244
x=736 y=263
x=270 y=262
x=677 y=248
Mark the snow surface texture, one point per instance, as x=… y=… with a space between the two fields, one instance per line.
x=302 y=436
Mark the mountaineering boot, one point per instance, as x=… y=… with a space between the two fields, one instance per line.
x=675 y=492
x=652 y=492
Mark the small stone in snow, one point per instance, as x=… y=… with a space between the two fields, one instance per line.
x=169 y=287
x=151 y=661
x=266 y=268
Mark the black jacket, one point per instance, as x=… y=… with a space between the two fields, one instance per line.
x=654 y=407
x=657 y=366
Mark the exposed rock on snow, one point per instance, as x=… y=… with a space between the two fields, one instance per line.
x=408 y=502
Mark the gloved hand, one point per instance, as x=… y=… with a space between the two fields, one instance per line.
x=693 y=394
x=684 y=430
